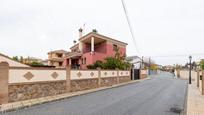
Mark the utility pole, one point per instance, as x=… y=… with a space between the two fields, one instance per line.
x=149 y=64
x=190 y=58
x=142 y=63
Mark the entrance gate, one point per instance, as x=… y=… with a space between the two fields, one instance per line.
x=135 y=74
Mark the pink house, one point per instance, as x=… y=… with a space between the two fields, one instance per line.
x=92 y=47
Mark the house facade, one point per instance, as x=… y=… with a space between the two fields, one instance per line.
x=56 y=58
x=93 y=47
x=136 y=61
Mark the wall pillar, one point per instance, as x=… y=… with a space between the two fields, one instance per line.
x=202 y=82
x=80 y=46
x=178 y=73
x=130 y=73
x=70 y=62
x=68 y=78
x=99 y=77
x=198 y=77
x=118 y=77
x=4 y=75
x=92 y=44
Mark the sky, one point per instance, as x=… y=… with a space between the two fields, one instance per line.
x=168 y=31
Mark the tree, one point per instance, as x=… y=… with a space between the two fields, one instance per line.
x=36 y=64
x=15 y=58
x=153 y=67
x=96 y=65
x=202 y=64
x=21 y=59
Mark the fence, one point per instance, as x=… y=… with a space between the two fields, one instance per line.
x=200 y=81
x=143 y=73
x=22 y=83
x=184 y=74
x=196 y=76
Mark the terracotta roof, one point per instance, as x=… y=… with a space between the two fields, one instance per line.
x=102 y=36
x=74 y=45
x=58 y=51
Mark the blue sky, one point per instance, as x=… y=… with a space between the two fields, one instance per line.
x=161 y=27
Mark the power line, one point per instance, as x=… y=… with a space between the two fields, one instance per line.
x=130 y=27
x=180 y=55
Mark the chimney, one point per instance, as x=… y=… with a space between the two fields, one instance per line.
x=80 y=32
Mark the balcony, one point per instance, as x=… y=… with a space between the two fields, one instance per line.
x=74 y=54
x=56 y=59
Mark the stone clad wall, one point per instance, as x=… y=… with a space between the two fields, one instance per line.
x=123 y=79
x=19 y=92
x=23 y=83
x=108 y=81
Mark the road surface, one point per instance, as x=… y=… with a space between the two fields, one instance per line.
x=162 y=95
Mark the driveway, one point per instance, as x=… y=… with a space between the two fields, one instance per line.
x=162 y=95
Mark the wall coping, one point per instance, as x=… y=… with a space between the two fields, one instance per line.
x=36 y=68
x=39 y=82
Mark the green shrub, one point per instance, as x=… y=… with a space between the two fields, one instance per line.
x=202 y=64
x=36 y=64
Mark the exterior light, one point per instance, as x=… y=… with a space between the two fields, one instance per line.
x=190 y=58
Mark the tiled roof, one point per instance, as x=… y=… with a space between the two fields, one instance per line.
x=102 y=36
x=58 y=51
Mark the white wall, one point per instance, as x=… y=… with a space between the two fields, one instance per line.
x=144 y=71
x=105 y=73
x=83 y=74
x=27 y=75
x=184 y=74
x=124 y=73
x=18 y=75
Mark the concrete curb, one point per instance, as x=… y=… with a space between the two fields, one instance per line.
x=185 y=102
x=15 y=106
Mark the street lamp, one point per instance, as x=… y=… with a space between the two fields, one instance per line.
x=190 y=58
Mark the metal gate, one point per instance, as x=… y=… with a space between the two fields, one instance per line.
x=135 y=74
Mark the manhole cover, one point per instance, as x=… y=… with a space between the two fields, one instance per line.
x=176 y=110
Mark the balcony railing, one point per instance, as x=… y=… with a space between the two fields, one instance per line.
x=74 y=54
x=56 y=59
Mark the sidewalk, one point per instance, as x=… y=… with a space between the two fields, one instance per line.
x=32 y=102
x=195 y=101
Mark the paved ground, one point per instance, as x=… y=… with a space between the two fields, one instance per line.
x=161 y=95
x=195 y=102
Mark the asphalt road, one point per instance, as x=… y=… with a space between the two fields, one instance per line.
x=162 y=95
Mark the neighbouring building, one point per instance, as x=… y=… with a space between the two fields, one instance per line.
x=11 y=62
x=56 y=58
x=92 y=47
x=136 y=61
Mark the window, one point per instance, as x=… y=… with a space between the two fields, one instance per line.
x=59 y=55
x=84 y=60
x=60 y=63
x=115 y=47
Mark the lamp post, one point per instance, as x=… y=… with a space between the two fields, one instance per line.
x=190 y=58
